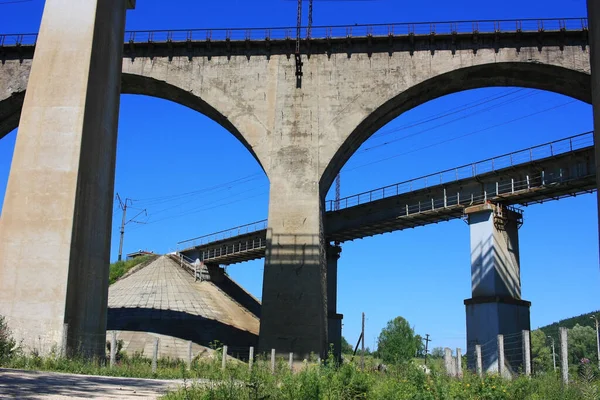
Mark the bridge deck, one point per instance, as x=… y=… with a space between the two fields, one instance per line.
x=547 y=172
x=444 y=35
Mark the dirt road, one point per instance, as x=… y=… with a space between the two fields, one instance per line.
x=31 y=385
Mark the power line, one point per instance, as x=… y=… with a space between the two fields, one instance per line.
x=510 y=101
x=15 y=1
x=461 y=136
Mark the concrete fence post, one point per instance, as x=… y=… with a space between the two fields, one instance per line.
x=155 y=356
x=448 y=361
x=526 y=353
x=224 y=357
x=190 y=357
x=273 y=361
x=291 y=361
x=251 y=358
x=564 y=355
x=113 y=348
x=63 y=348
x=459 y=372
x=479 y=361
x=501 y=355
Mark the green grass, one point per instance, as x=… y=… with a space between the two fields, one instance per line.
x=120 y=268
x=399 y=382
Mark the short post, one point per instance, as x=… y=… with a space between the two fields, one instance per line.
x=448 y=361
x=63 y=349
x=459 y=372
x=479 y=361
x=251 y=358
x=564 y=356
x=501 y=355
x=291 y=361
x=526 y=353
x=113 y=348
x=155 y=356
x=273 y=361
x=224 y=358
x=190 y=355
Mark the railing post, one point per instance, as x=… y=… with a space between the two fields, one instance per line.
x=445 y=199
x=501 y=355
x=155 y=356
x=512 y=185
x=224 y=358
x=564 y=356
x=527 y=353
x=251 y=358
x=113 y=348
x=272 y=361
x=479 y=361
x=528 y=187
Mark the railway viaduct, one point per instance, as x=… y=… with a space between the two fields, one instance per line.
x=301 y=129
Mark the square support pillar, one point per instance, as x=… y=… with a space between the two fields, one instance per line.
x=55 y=228
x=593 y=8
x=294 y=297
x=496 y=306
x=334 y=320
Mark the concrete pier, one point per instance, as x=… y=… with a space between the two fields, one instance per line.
x=55 y=229
x=593 y=7
x=496 y=306
x=294 y=299
x=334 y=320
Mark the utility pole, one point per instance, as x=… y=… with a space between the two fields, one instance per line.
x=595 y=318
x=123 y=206
x=362 y=356
x=553 y=353
x=427 y=340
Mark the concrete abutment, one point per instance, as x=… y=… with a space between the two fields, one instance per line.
x=59 y=194
x=496 y=307
x=334 y=320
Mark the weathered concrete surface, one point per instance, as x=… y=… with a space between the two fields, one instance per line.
x=32 y=385
x=594 y=39
x=334 y=320
x=59 y=194
x=162 y=300
x=302 y=137
x=496 y=306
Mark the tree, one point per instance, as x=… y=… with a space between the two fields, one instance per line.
x=582 y=343
x=396 y=342
x=437 y=352
x=346 y=347
x=541 y=353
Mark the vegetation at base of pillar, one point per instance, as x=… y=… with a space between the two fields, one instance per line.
x=7 y=343
x=397 y=342
x=120 y=268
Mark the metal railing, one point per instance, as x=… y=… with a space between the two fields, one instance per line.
x=467 y=171
x=335 y=31
x=235 y=248
x=226 y=234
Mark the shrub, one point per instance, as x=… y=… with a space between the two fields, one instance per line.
x=7 y=343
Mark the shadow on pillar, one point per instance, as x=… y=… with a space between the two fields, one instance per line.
x=294 y=297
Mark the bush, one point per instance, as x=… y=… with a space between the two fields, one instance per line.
x=7 y=343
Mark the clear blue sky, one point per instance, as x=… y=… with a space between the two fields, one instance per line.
x=422 y=274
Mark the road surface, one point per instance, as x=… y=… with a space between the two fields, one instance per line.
x=33 y=385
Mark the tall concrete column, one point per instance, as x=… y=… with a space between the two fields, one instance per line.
x=334 y=320
x=55 y=228
x=294 y=299
x=496 y=307
x=594 y=42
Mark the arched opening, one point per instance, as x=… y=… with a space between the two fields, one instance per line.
x=419 y=270
x=189 y=168
x=551 y=78
x=191 y=177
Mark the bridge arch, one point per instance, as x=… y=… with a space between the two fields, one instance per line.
x=551 y=78
x=10 y=107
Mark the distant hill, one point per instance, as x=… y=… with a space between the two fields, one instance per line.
x=583 y=320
